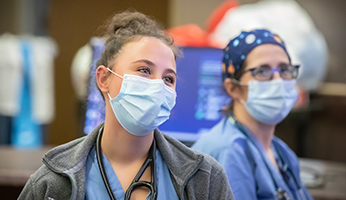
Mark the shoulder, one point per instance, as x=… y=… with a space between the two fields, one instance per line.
x=190 y=168
x=46 y=177
x=238 y=160
x=62 y=166
x=71 y=157
x=215 y=183
x=221 y=137
x=177 y=155
x=46 y=182
x=210 y=165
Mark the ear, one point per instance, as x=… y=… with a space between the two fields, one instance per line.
x=231 y=88
x=102 y=78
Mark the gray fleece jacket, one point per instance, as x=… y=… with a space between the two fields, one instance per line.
x=194 y=175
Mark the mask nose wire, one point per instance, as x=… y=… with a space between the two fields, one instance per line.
x=109 y=96
x=276 y=71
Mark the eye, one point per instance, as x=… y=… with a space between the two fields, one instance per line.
x=145 y=70
x=262 y=71
x=168 y=79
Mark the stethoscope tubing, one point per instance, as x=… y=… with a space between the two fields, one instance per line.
x=278 y=189
x=135 y=182
x=100 y=164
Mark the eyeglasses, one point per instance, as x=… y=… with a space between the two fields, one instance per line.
x=266 y=73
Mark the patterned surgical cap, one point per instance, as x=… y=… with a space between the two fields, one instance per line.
x=239 y=47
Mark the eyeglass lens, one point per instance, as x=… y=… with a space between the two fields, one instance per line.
x=265 y=72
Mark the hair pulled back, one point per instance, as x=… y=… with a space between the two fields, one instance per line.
x=228 y=109
x=129 y=26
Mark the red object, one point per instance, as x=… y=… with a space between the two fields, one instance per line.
x=193 y=35
x=189 y=35
x=219 y=13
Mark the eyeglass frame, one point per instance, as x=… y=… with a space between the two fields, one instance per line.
x=273 y=70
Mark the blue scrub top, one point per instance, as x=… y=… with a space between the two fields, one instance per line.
x=246 y=170
x=95 y=188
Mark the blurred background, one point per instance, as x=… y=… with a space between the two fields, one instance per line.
x=56 y=30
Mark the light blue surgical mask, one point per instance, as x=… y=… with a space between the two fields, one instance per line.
x=270 y=101
x=142 y=104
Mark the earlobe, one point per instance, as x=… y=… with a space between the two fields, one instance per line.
x=102 y=78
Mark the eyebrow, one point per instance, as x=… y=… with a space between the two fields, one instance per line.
x=169 y=70
x=148 y=62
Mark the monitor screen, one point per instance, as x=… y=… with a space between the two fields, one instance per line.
x=199 y=88
x=96 y=107
x=200 y=94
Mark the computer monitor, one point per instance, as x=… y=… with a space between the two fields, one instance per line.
x=200 y=94
x=96 y=107
x=199 y=88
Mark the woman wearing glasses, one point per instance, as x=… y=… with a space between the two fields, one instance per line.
x=258 y=75
x=127 y=157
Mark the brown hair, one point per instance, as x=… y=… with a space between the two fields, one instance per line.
x=129 y=26
x=227 y=110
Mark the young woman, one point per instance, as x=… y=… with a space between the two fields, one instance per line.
x=258 y=75
x=127 y=157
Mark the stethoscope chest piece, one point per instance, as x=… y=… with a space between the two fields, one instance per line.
x=282 y=194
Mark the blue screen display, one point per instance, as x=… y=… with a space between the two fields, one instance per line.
x=96 y=107
x=200 y=94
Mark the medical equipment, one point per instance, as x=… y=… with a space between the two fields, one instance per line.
x=280 y=193
x=135 y=182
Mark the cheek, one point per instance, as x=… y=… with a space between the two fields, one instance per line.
x=114 y=87
x=243 y=91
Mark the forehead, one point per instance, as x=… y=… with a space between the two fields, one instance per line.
x=266 y=54
x=148 y=48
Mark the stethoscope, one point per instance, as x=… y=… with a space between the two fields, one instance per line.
x=135 y=182
x=280 y=193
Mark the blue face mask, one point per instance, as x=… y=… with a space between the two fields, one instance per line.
x=270 y=101
x=142 y=104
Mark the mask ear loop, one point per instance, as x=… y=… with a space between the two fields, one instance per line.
x=114 y=73
x=241 y=84
x=238 y=82
x=109 y=96
x=242 y=102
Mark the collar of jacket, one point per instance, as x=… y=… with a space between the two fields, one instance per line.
x=70 y=158
x=181 y=161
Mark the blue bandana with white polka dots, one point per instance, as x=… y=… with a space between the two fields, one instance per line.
x=239 y=47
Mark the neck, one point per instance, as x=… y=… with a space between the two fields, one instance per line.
x=264 y=133
x=119 y=146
